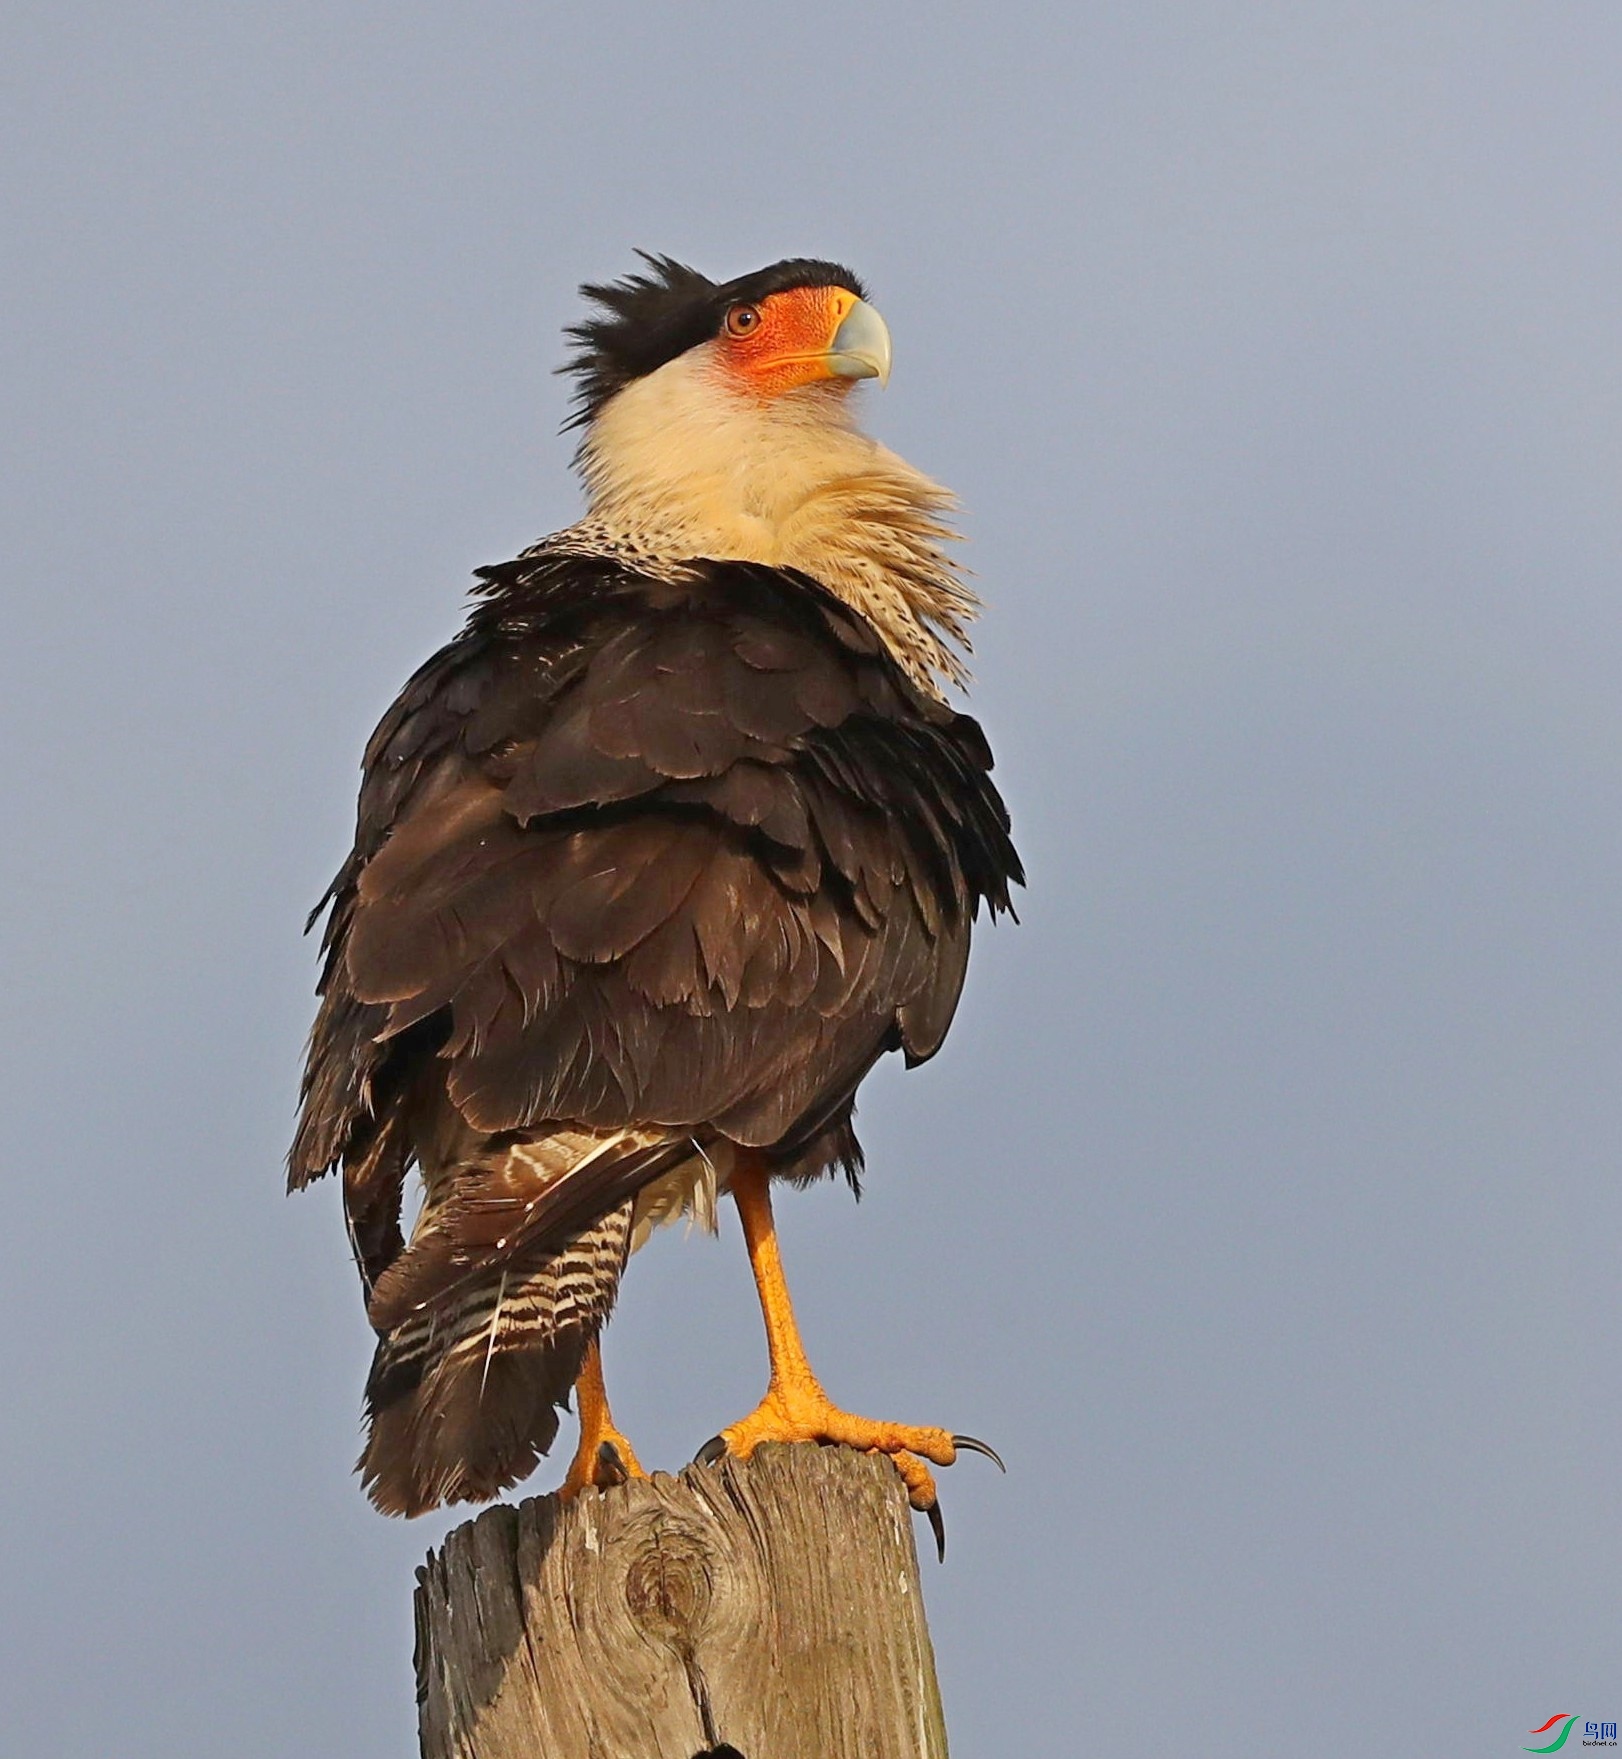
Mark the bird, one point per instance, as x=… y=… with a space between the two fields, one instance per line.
x=653 y=862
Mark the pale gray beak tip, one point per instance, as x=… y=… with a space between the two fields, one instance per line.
x=861 y=345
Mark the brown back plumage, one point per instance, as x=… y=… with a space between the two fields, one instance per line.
x=644 y=868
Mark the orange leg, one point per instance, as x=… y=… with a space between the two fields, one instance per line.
x=604 y=1457
x=795 y=1407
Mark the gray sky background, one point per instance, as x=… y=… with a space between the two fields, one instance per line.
x=1264 y=1205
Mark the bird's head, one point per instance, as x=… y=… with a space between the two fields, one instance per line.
x=717 y=422
x=799 y=326
x=712 y=412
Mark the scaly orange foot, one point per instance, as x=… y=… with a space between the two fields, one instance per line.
x=799 y=1410
x=604 y=1457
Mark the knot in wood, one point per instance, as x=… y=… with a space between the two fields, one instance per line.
x=668 y=1586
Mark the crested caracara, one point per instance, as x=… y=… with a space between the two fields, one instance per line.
x=652 y=863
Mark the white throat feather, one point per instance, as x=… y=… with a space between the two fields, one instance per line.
x=681 y=465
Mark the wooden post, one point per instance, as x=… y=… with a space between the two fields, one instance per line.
x=763 y=1610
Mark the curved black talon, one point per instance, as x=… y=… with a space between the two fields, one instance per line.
x=967 y=1444
x=713 y=1452
x=610 y=1467
x=937 y=1526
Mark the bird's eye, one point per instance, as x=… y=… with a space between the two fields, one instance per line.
x=742 y=319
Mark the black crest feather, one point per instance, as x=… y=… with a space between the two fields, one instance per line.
x=646 y=319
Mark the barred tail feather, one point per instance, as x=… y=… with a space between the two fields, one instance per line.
x=463 y=1401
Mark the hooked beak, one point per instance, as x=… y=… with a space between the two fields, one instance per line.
x=860 y=348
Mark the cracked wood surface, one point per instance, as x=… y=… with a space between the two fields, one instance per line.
x=771 y=1605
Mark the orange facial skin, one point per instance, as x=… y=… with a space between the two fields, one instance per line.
x=788 y=342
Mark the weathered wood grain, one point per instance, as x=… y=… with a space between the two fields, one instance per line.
x=772 y=1605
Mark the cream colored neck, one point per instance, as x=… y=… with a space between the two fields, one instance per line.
x=682 y=465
